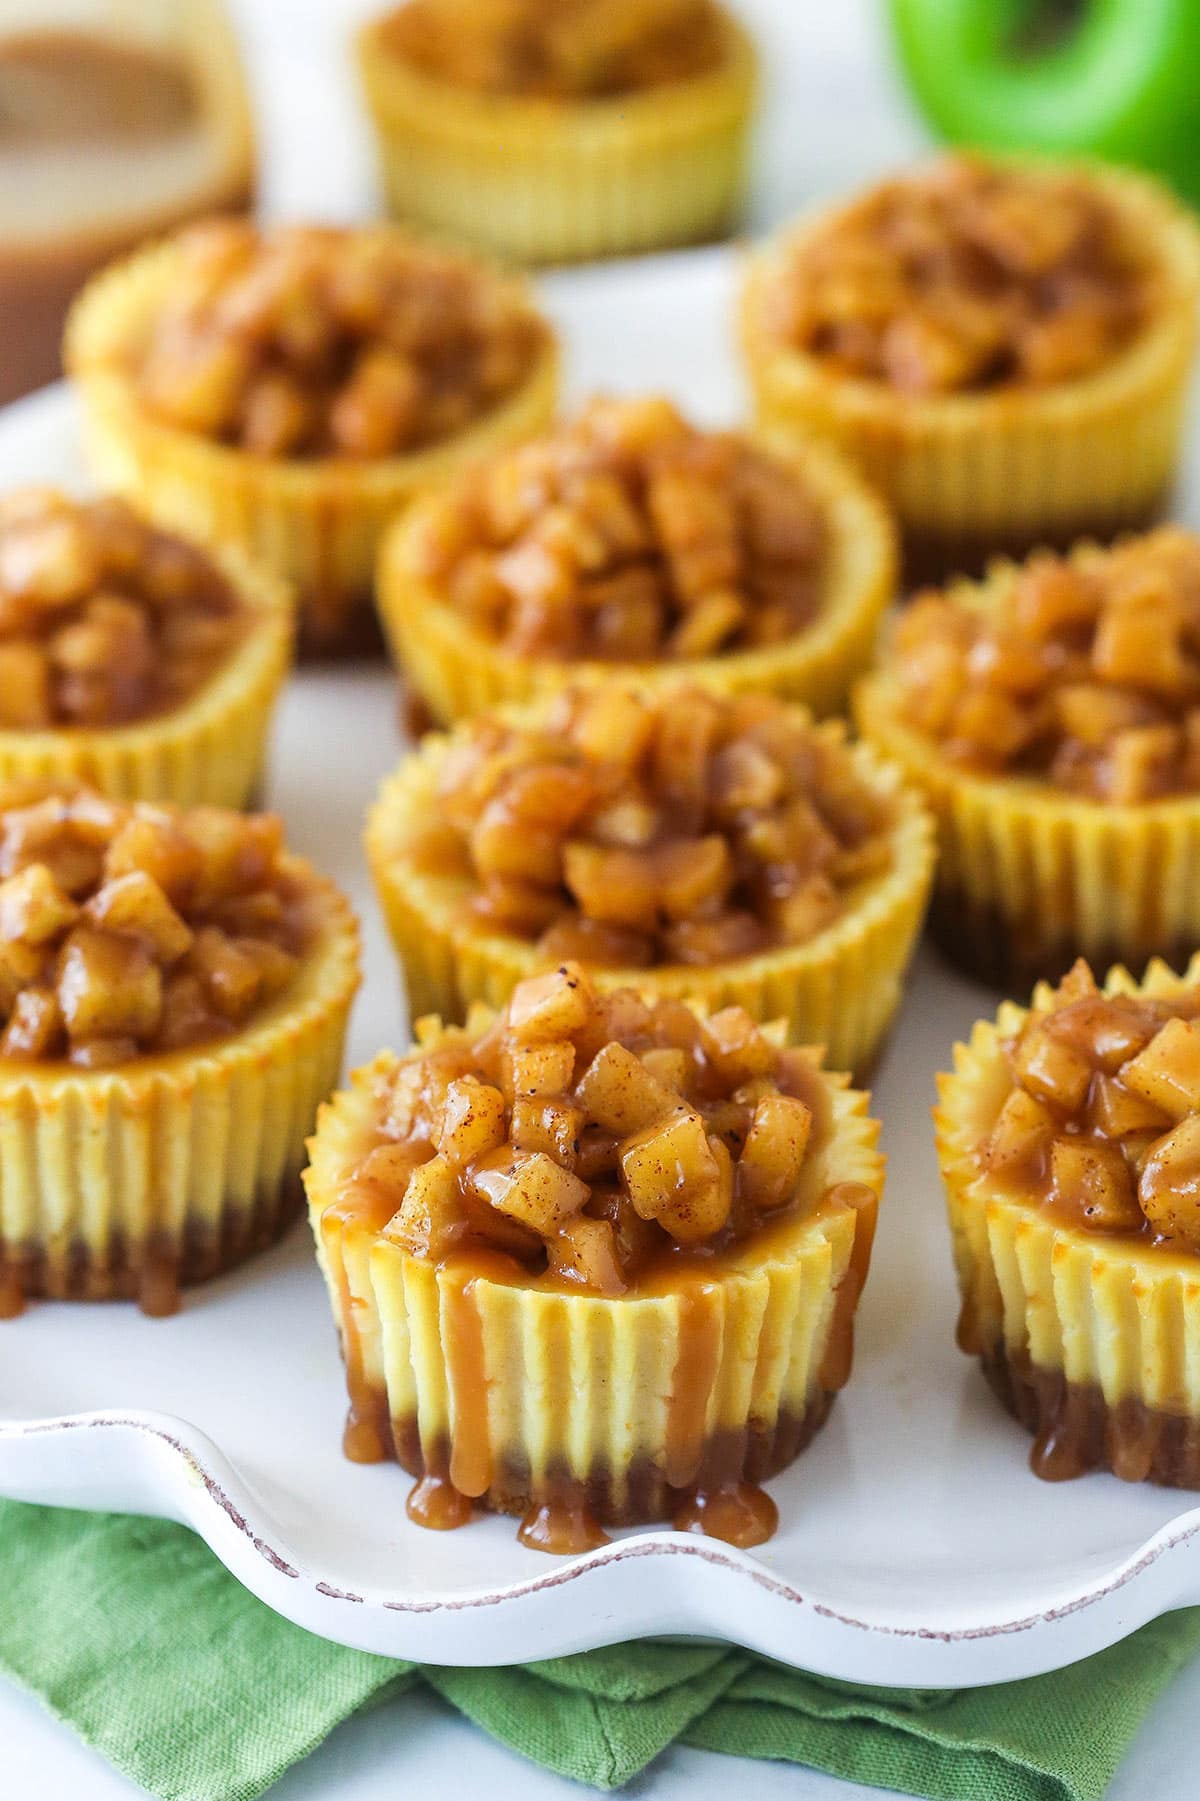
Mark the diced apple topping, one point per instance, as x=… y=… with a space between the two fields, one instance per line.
x=585 y=1251
x=1051 y=1069
x=628 y=535
x=542 y=1069
x=429 y=1219
x=1093 y=1177
x=473 y=1121
x=966 y=276
x=1104 y=1117
x=773 y=1155
x=620 y=1093
x=545 y=1124
x=104 y=620
x=127 y=928
x=1021 y=1135
x=1167 y=1072
x=625 y=831
x=1169 y=1188
x=534 y=1189
x=587 y=1135
x=672 y=1176
x=310 y=341
x=551 y=1007
x=1082 y=671
x=1116 y=1111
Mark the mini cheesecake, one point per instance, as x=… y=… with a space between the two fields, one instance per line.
x=587 y=128
x=1069 y=1143
x=594 y=1259
x=288 y=391
x=131 y=659
x=722 y=848
x=630 y=542
x=1051 y=717
x=1003 y=344
x=174 y=988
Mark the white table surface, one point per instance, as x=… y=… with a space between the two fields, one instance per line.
x=834 y=115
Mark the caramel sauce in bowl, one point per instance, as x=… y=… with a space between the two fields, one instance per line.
x=115 y=124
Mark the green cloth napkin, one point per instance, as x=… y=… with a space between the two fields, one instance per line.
x=133 y=1634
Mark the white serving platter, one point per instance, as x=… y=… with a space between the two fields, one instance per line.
x=915 y=1548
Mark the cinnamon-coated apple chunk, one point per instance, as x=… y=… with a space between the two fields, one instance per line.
x=589 y=1133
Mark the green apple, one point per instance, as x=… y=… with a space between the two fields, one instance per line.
x=1116 y=78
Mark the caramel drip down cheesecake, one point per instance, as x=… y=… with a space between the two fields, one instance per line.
x=130 y=658
x=631 y=541
x=288 y=391
x=174 y=988
x=1051 y=716
x=1004 y=345
x=693 y=844
x=1069 y=1142
x=594 y=1259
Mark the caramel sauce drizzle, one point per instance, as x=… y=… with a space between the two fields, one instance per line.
x=367 y=1435
x=1054 y=1454
x=12 y=1290
x=1077 y=1429
x=705 y=1468
x=158 y=1284
x=470 y=1437
x=838 y=1358
x=1063 y=1447
x=696 y=1364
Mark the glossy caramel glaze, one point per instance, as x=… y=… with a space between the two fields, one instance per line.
x=704 y=1481
x=728 y=1073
